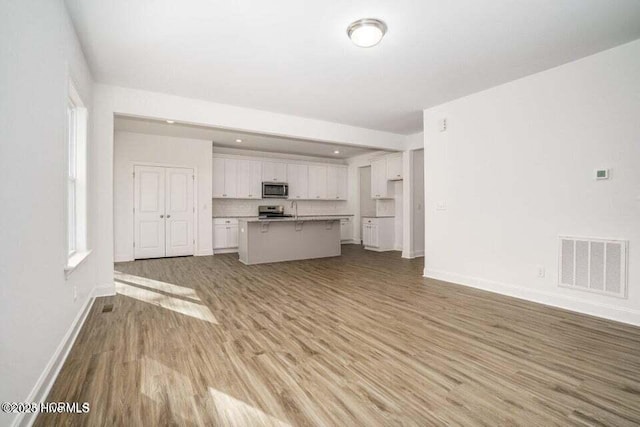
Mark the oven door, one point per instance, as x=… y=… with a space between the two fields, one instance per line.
x=275 y=190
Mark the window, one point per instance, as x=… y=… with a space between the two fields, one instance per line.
x=76 y=172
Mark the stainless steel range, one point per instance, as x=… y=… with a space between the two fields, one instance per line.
x=277 y=211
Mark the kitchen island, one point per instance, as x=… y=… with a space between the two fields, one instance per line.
x=286 y=239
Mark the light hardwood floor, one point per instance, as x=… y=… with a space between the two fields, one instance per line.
x=360 y=339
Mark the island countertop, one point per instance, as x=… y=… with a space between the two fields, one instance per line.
x=298 y=219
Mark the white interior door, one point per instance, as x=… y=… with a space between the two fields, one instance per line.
x=149 y=205
x=179 y=212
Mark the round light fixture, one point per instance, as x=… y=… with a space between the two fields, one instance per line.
x=170 y=121
x=336 y=152
x=238 y=140
x=366 y=32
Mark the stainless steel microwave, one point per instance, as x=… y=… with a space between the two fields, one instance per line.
x=275 y=190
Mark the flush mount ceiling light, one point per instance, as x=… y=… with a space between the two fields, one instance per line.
x=336 y=152
x=238 y=140
x=366 y=32
x=170 y=121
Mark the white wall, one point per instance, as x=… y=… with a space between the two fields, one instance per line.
x=39 y=52
x=516 y=169
x=398 y=217
x=417 y=203
x=135 y=148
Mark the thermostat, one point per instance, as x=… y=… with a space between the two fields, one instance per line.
x=602 y=174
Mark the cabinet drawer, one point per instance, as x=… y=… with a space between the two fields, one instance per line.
x=372 y=221
x=225 y=221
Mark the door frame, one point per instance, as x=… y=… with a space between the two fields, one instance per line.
x=196 y=206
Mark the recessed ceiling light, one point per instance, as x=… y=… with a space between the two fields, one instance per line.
x=238 y=140
x=366 y=32
x=336 y=151
x=170 y=121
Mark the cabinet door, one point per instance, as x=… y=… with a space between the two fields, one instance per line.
x=256 y=180
x=298 y=176
x=373 y=236
x=332 y=182
x=366 y=235
x=342 y=181
x=317 y=182
x=243 y=179
x=232 y=236
x=345 y=229
x=394 y=167
x=219 y=237
x=378 y=178
x=248 y=176
x=379 y=184
x=230 y=178
x=218 y=177
x=274 y=172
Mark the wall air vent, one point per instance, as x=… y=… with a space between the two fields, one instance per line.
x=594 y=265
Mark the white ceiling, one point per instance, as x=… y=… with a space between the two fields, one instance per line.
x=293 y=56
x=250 y=141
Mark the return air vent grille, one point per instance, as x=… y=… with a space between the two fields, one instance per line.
x=594 y=265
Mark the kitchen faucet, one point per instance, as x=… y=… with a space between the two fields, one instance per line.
x=295 y=203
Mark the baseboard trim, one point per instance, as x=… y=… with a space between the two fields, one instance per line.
x=350 y=242
x=605 y=311
x=43 y=386
x=123 y=258
x=412 y=255
x=207 y=252
x=225 y=251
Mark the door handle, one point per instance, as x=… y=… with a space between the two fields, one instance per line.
x=168 y=216
x=161 y=216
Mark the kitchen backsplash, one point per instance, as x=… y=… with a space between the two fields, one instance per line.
x=385 y=207
x=235 y=207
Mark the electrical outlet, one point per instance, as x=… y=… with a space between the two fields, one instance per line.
x=441 y=206
x=541 y=271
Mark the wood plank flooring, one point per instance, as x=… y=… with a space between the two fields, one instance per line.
x=360 y=339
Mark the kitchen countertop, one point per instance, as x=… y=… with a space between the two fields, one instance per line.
x=300 y=218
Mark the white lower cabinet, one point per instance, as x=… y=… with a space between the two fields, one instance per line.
x=225 y=234
x=378 y=233
x=346 y=229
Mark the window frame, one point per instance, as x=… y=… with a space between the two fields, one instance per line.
x=76 y=248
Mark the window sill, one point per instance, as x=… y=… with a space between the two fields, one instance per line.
x=75 y=260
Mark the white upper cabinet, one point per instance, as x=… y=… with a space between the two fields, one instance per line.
x=224 y=177
x=380 y=188
x=394 y=166
x=218 y=177
x=230 y=178
x=238 y=177
x=249 y=178
x=274 y=171
x=317 y=182
x=298 y=176
x=337 y=183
